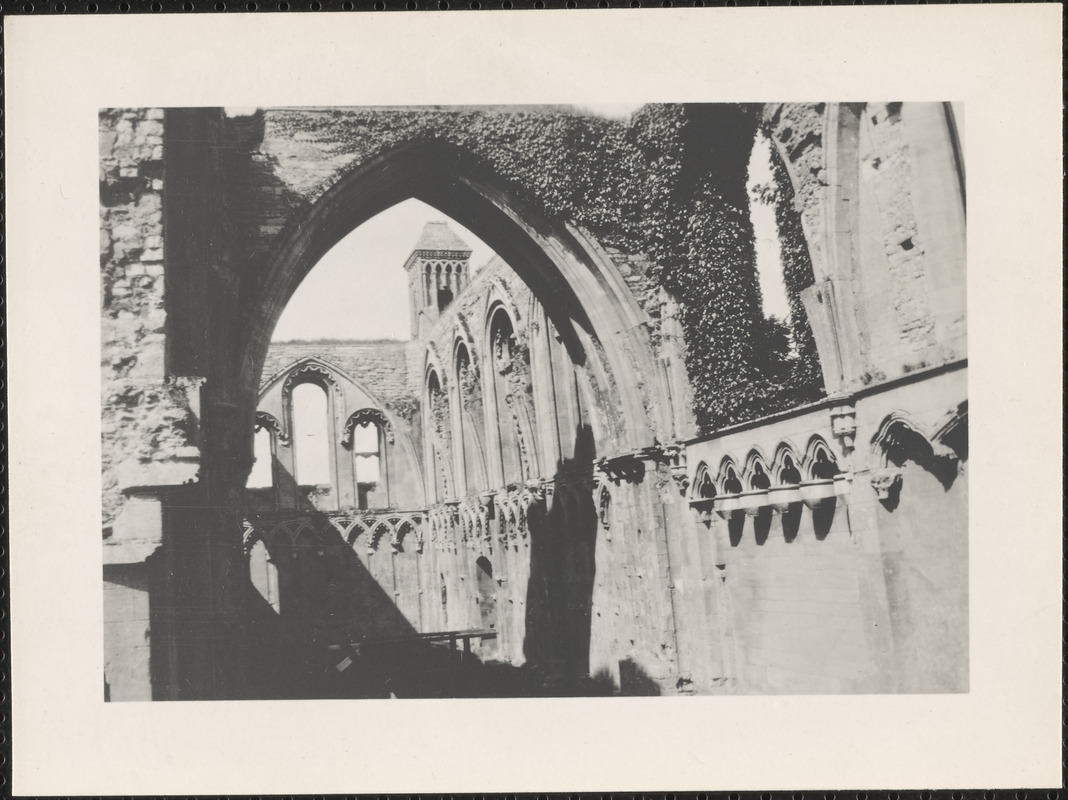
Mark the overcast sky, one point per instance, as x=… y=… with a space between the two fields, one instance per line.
x=359 y=289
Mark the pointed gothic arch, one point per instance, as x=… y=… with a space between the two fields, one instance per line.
x=757 y=472
x=570 y=274
x=820 y=462
x=786 y=467
x=704 y=485
x=729 y=477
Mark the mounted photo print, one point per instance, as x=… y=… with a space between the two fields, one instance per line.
x=534 y=401
x=516 y=401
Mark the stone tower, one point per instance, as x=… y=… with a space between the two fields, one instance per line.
x=438 y=270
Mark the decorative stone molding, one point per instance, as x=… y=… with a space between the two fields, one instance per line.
x=533 y=492
x=820 y=463
x=757 y=473
x=268 y=422
x=753 y=501
x=817 y=493
x=726 y=505
x=364 y=417
x=628 y=468
x=950 y=434
x=784 y=497
x=501 y=297
x=727 y=479
x=682 y=480
x=887 y=485
x=844 y=427
x=249 y=537
x=899 y=439
x=310 y=370
x=704 y=508
x=485 y=499
x=376 y=531
x=550 y=496
x=463 y=334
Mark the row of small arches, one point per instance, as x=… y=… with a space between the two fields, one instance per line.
x=443 y=281
x=296 y=533
x=756 y=473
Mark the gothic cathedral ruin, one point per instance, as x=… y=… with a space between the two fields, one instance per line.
x=595 y=466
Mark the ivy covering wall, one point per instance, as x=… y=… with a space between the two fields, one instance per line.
x=805 y=376
x=669 y=184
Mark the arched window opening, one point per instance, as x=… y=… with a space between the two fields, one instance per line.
x=901 y=444
x=444 y=297
x=758 y=475
x=821 y=463
x=311 y=440
x=787 y=347
x=789 y=474
x=445 y=287
x=367 y=457
x=704 y=487
x=502 y=339
x=262 y=475
x=731 y=483
x=464 y=371
x=440 y=436
x=469 y=389
x=512 y=388
x=366 y=447
x=763 y=186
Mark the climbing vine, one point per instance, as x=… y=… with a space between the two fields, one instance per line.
x=805 y=374
x=669 y=184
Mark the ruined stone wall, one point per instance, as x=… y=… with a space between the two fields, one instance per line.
x=568 y=587
x=645 y=191
x=383 y=367
x=858 y=593
x=380 y=365
x=911 y=226
x=149 y=423
x=878 y=188
x=634 y=625
x=795 y=605
x=664 y=195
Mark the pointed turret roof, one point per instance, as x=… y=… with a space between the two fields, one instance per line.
x=439 y=237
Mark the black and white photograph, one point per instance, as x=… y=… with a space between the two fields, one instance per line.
x=504 y=401
x=531 y=401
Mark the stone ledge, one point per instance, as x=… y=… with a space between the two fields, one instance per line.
x=129 y=551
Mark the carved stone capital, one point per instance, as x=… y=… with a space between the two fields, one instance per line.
x=628 y=468
x=887 y=485
x=682 y=480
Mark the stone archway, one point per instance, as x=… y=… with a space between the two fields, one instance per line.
x=566 y=269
